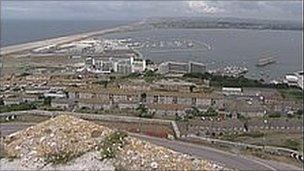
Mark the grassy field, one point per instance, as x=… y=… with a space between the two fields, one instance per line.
x=294 y=94
x=288 y=140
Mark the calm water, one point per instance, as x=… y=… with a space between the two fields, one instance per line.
x=229 y=47
x=21 y=31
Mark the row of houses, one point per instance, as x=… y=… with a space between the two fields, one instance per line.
x=166 y=102
x=160 y=102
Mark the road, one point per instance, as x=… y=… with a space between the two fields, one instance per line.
x=230 y=160
x=11 y=127
x=234 y=161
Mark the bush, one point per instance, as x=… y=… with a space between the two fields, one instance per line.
x=193 y=112
x=252 y=134
x=210 y=112
x=274 y=115
x=144 y=112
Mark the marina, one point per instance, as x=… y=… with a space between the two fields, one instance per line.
x=219 y=48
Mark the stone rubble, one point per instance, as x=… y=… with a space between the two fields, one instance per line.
x=76 y=143
x=63 y=135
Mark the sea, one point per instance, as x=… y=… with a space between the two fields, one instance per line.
x=17 y=31
x=228 y=47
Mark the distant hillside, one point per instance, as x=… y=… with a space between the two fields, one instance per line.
x=225 y=23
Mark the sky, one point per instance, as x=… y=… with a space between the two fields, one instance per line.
x=133 y=10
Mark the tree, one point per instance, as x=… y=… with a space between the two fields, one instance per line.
x=211 y=112
x=192 y=88
x=144 y=112
x=143 y=97
x=47 y=101
x=193 y=112
x=299 y=112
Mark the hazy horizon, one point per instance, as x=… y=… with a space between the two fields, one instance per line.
x=137 y=10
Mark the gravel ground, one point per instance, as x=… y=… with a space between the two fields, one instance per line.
x=88 y=161
x=69 y=143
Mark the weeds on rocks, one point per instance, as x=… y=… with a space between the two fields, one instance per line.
x=61 y=158
x=111 y=144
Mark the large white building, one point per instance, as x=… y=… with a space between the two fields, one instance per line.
x=138 y=65
x=119 y=65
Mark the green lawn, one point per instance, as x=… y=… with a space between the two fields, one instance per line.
x=292 y=93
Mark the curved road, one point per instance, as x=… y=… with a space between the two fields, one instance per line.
x=230 y=160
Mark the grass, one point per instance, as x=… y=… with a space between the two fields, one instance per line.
x=17 y=107
x=294 y=94
x=292 y=144
x=108 y=149
x=286 y=140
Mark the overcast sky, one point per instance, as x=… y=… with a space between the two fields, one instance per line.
x=125 y=10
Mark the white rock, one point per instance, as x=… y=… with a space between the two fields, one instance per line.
x=154 y=165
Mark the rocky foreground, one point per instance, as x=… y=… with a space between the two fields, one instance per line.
x=69 y=143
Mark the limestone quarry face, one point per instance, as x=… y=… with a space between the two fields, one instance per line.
x=69 y=143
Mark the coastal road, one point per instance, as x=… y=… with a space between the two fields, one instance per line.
x=230 y=160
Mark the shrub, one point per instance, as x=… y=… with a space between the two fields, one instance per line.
x=274 y=115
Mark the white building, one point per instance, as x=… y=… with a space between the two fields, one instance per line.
x=232 y=91
x=291 y=80
x=138 y=65
x=299 y=74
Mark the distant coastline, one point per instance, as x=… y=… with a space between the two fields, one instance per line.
x=61 y=39
x=17 y=31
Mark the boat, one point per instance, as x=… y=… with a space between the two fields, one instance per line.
x=265 y=61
